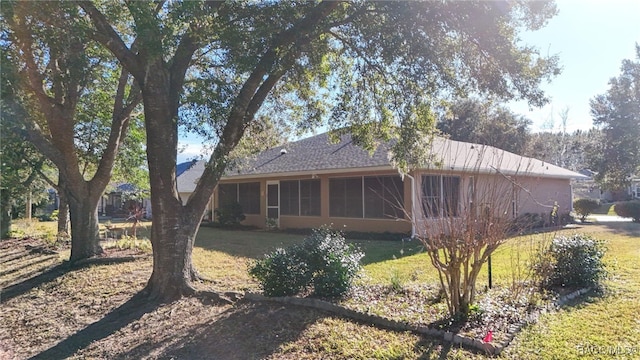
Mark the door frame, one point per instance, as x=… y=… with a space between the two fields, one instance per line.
x=277 y=207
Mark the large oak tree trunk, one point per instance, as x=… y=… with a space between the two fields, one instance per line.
x=85 y=234
x=173 y=233
x=174 y=226
x=5 y=213
x=63 y=213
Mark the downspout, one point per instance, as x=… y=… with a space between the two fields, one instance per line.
x=413 y=205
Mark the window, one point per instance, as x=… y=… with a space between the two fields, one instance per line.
x=227 y=194
x=380 y=197
x=245 y=194
x=310 y=197
x=289 y=198
x=440 y=195
x=345 y=197
x=300 y=198
x=383 y=197
x=249 y=197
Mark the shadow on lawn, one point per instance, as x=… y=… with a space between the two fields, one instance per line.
x=623 y=228
x=256 y=330
x=246 y=331
x=53 y=273
x=120 y=317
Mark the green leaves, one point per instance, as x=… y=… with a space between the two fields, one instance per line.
x=617 y=112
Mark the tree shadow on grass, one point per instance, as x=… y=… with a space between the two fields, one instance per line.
x=246 y=331
x=622 y=227
x=428 y=347
x=50 y=274
x=120 y=317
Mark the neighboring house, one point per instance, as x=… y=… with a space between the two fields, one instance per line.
x=588 y=188
x=118 y=202
x=311 y=182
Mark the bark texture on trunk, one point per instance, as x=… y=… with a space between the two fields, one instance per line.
x=85 y=234
x=173 y=239
x=63 y=213
x=5 y=213
x=174 y=226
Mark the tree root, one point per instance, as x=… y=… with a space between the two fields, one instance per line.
x=196 y=276
x=226 y=298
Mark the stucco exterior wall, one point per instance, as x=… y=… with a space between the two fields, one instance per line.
x=344 y=223
x=510 y=196
x=543 y=193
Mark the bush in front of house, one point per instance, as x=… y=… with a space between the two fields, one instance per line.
x=323 y=263
x=628 y=209
x=230 y=214
x=282 y=272
x=527 y=221
x=333 y=263
x=571 y=261
x=585 y=207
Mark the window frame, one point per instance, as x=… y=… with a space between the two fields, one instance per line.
x=441 y=198
x=364 y=198
x=247 y=210
x=309 y=204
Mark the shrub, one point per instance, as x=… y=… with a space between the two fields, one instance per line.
x=628 y=209
x=230 y=214
x=566 y=218
x=527 y=221
x=281 y=273
x=333 y=263
x=571 y=261
x=584 y=207
x=324 y=262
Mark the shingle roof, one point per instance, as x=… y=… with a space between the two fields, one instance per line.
x=312 y=154
x=188 y=175
x=316 y=154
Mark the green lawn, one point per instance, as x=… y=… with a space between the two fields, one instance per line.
x=605 y=209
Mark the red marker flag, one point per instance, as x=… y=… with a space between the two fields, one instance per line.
x=488 y=337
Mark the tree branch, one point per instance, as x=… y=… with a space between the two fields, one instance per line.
x=119 y=127
x=107 y=36
x=251 y=97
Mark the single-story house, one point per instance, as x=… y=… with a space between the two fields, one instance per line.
x=118 y=202
x=588 y=188
x=312 y=182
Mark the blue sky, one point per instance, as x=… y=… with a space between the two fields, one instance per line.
x=591 y=38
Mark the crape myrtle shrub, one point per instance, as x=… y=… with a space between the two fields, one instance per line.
x=323 y=263
x=585 y=207
x=571 y=261
x=628 y=209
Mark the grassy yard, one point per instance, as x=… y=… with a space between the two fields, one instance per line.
x=87 y=312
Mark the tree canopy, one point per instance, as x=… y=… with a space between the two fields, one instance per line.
x=69 y=117
x=485 y=123
x=617 y=114
x=20 y=162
